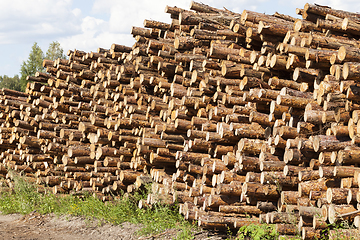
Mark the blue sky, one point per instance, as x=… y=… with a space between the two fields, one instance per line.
x=87 y=25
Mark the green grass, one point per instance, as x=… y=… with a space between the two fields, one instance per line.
x=24 y=199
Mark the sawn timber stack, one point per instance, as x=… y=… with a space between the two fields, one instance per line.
x=231 y=115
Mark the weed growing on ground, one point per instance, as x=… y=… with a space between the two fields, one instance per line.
x=257 y=232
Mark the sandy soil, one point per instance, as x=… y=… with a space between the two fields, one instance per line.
x=35 y=226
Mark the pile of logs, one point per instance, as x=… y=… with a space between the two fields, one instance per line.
x=240 y=118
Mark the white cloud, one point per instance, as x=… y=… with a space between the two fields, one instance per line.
x=91 y=24
x=125 y=14
x=25 y=21
x=76 y=12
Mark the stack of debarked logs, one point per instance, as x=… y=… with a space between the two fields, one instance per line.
x=241 y=118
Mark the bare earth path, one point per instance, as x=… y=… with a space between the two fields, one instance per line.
x=35 y=226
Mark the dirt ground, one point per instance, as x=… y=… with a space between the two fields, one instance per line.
x=35 y=226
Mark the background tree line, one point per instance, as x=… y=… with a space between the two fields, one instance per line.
x=32 y=65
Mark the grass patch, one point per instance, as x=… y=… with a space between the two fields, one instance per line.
x=24 y=199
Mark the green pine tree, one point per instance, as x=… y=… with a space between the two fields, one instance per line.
x=55 y=51
x=32 y=65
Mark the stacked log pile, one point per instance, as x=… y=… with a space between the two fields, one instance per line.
x=241 y=118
